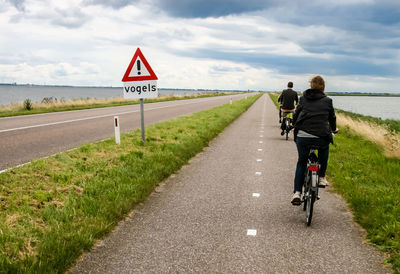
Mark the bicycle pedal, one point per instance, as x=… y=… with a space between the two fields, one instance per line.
x=318 y=197
x=321 y=186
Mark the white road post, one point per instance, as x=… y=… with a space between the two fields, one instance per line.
x=117 y=130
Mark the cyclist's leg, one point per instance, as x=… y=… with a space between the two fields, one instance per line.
x=323 y=155
x=302 y=150
x=283 y=125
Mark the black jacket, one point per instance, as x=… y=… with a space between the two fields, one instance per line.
x=315 y=114
x=287 y=98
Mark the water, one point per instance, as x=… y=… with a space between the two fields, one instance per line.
x=377 y=106
x=17 y=94
x=383 y=107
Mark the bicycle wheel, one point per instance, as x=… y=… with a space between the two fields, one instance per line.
x=310 y=206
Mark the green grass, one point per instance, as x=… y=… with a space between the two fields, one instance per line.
x=70 y=105
x=54 y=209
x=370 y=183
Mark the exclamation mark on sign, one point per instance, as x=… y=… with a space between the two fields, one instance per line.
x=138 y=67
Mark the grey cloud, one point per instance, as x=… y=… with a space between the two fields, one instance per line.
x=115 y=4
x=224 y=69
x=211 y=8
x=71 y=18
x=18 y=4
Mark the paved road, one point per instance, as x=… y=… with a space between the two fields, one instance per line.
x=23 y=138
x=198 y=220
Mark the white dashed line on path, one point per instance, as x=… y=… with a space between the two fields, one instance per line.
x=251 y=232
x=256 y=195
x=258 y=173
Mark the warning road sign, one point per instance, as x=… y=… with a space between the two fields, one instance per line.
x=140 y=81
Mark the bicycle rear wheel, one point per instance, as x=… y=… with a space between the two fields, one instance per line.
x=310 y=206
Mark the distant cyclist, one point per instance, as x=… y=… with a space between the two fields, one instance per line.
x=287 y=99
x=314 y=121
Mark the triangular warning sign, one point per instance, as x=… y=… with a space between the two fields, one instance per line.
x=139 y=69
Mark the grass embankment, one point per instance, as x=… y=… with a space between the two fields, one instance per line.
x=370 y=183
x=52 y=105
x=54 y=209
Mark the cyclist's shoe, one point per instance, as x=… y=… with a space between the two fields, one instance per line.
x=323 y=182
x=280 y=121
x=282 y=133
x=296 y=199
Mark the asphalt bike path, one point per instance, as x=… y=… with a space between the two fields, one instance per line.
x=229 y=211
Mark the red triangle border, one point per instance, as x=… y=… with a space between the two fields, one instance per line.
x=128 y=78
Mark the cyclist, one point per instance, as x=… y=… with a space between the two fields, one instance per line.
x=314 y=121
x=287 y=99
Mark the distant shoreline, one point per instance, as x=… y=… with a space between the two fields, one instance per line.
x=363 y=94
x=120 y=87
x=334 y=93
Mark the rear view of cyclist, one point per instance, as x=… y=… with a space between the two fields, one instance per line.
x=314 y=121
x=287 y=99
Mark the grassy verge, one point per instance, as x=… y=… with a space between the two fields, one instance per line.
x=88 y=103
x=370 y=183
x=56 y=208
x=392 y=125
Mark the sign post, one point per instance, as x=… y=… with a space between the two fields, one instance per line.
x=140 y=82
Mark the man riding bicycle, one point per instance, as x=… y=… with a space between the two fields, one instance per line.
x=287 y=99
x=314 y=121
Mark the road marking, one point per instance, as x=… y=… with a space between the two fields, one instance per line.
x=256 y=195
x=251 y=232
x=260 y=149
x=258 y=173
x=96 y=117
x=259 y=160
x=260 y=142
x=261 y=136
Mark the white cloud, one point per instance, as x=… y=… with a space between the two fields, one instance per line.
x=82 y=42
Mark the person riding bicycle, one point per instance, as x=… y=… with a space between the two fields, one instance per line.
x=287 y=99
x=314 y=122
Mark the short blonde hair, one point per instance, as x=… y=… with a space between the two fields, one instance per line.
x=317 y=82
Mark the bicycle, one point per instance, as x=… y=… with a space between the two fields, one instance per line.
x=288 y=118
x=311 y=184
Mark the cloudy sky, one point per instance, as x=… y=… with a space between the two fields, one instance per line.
x=222 y=44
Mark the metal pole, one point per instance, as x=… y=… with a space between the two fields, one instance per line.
x=142 y=117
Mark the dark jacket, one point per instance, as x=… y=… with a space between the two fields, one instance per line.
x=287 y=98
x=315 y=115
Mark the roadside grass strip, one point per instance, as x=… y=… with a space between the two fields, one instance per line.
x=370 y=183
x=89 y=103
x=54 y=209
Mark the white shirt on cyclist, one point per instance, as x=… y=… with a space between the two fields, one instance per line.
x=304 y=134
